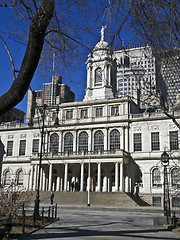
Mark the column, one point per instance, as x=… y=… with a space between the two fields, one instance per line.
x=108 y=181
x=127 y=184
x=106 y=139
x=122 y=138
x=105 y=184
x=35 y=177
x=46 y=138
x=126 y=139
x=60 y=142
x=82 y=177
x=31 y=178
x=50 y=177
x=65 y=176
x=88 y=76
x=121 y=187
x=109 y=75
x=105 y=82
x=116 y=177
x=99 y=178
x=75 y=142
x=61 y=184
x=58 y=184
x=90 y=143
x=44 y=182
x=41 y=174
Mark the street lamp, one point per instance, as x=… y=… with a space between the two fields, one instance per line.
x=165 y=163
x=56 y=124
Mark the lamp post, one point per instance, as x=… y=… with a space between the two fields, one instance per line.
x=36 y=205
x=165 y=163
x=89 y=182
x=56 y=124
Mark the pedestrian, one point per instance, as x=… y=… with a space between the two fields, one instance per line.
x=52 y=197
x=137 y=190
x=72 y=186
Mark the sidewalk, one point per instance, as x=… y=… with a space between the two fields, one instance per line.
x=102 y=222
x=148 y=209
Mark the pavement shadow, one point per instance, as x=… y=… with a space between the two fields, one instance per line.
x=69 y=233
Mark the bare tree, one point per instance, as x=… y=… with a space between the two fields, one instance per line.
x=62 y=27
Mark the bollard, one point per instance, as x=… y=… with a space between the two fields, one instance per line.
x=8 y=226
x=23 y=218
x=42 y=216
x=34 y=219
x=23 y=208
x=174 y=219
x=52 y=211
x=55 y=211
x=49 y=212
x=23 y=222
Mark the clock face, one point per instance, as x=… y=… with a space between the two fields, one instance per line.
x=98 y=76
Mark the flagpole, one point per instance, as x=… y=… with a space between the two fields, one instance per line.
x=89 y=182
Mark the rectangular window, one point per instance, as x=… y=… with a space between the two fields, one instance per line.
x=155 y=145
x=69 y=114
x=35 y=148
x=176 y=202
x=114 y=111
x=9 y=148
x=22 y=147
x=84 y=113
x=99 y=112
x=137 y=142
x=173 y=135
x=156 y=201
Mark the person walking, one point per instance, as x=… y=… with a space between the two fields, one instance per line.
x=72 y=186
x=52 y=197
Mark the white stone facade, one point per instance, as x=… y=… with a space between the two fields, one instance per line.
x=121 y=145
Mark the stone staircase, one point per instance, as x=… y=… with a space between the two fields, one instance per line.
x=96 y=198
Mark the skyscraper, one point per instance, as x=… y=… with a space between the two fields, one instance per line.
x=135 y=70
x=53 y=93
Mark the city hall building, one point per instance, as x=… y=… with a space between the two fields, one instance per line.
x=105 y=143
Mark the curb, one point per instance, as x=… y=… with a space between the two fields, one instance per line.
x=36 y=229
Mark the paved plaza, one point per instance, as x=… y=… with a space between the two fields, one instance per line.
x=90 y=223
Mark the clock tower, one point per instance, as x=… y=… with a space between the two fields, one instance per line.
x=100 y=75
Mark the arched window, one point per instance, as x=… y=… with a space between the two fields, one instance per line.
x=7 y=178
x=98 y=141
x=175 y=177
x=54 y=143
x=114 y=140
x=68 y=142
x=156 y=177
x=20 y=177
x=83 y=141
x=98 y=76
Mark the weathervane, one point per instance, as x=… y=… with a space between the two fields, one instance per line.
x=102 y=33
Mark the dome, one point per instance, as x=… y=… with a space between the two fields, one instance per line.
x=102 y=45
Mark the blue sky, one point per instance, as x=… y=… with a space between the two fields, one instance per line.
x=74 y=77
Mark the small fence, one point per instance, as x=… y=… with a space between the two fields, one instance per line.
x=49 y=213
x=176 y=206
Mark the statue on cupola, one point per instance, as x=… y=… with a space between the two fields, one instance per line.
x=100 y=75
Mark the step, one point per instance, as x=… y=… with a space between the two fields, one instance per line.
x=81 y=198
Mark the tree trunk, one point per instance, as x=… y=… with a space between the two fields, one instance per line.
x=31 y=58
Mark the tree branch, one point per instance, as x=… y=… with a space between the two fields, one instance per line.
x=10 y=56
x=31 y=58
